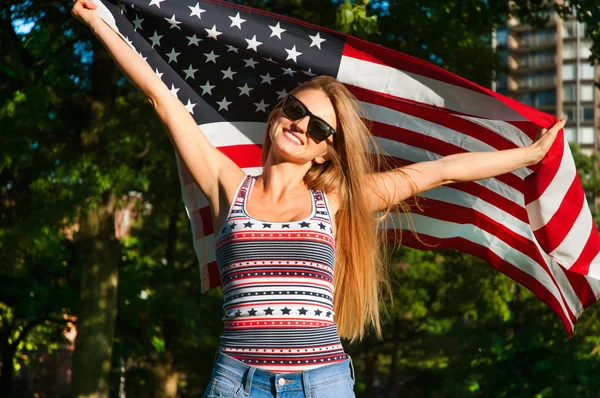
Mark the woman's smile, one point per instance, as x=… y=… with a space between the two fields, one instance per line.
x=293 y=138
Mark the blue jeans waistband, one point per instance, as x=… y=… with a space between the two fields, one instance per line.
x=260 y=378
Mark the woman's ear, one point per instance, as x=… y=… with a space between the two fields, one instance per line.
x=322 y=158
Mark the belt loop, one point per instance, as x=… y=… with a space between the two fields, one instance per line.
x=248 y=382
x=306 y=384
x=352 y=367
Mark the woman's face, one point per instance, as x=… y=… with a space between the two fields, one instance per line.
x=291 y=140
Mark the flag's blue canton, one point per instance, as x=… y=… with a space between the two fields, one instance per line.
x=221 y=62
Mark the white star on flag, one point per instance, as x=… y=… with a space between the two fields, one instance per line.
x=189 y=72
x=253 y=43
x=137 y=22
x=213 y=33
x=276 y=31
x=261 y=106
x=212 y=57
x=228 y=74
x=155 y=39
x=173 y=55
x=250 y=63
x=224 y=104
x=196 y=10
x=237 y=21
x=245 y=90
x=190 y=107
x=156 y=3
x=174 y=91
x=308 y=72
x=193 y=40
x=281 y=94
x=266 y=78
x=288 y=71
x=207 y=88
x=159 y=74
x=232 y=48
x=293 y=54
x=316 y=40
x=173 y=22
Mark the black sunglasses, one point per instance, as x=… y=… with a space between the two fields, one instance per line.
x=317 y=127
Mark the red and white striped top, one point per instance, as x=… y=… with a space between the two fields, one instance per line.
x=278 y=288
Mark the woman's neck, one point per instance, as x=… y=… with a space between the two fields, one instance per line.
x=280 y=179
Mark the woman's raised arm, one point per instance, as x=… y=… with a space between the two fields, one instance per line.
x=393 y=186
x=214 y=172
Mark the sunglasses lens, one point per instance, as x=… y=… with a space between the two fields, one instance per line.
x=294 y=109
x=318 y=129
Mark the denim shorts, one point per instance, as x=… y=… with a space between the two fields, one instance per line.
x=234 y=379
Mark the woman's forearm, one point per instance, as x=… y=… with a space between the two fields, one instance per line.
x=473 y=166
x=132 y=65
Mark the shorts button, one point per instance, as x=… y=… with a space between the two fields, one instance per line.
x=281 y=381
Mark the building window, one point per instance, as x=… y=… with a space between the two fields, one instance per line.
x=588 y=113
x=569 y=92
x=568 y=50
x=537 y=58
x=586 y=71
x=585 y=50
x=568 y=72
x=587 y=92
x=569 y=29
x=537 y=79
x=569 y=112
x=538 y=37
x=587 y=135
x=538 y=99
x=571 y=134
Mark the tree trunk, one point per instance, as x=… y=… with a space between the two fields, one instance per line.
x=99 y=277
x=165 y=377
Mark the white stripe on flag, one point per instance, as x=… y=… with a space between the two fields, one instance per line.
x=450 y=195
x=395 y=118
x=444 y=230
x=574 y=242
x=541 y=210
x=388 y=80
x=502 y=128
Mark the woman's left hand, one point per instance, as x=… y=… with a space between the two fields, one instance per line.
x=543 y=141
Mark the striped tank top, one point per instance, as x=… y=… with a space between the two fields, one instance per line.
x=278 y=288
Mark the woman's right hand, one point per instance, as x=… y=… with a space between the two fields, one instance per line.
x=82 y=10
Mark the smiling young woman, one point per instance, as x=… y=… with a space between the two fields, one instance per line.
x=302 y=238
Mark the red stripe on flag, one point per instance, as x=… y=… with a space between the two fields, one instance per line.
x=207 y=224
x=245 y=155
x=551 y=235
x=590 y=251
x=214 y=277
x=461 y=215
x=497 y=262
x=435 y=145
x=538 y=182
x=435 y=115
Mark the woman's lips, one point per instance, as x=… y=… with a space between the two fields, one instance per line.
x=289 y=139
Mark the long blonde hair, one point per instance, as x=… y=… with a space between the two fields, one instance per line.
x=361 y=275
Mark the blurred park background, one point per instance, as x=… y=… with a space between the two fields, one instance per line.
x=92 y=223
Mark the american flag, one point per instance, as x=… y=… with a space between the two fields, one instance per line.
x=229 y=65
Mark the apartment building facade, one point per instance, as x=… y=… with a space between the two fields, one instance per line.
x=548 y=69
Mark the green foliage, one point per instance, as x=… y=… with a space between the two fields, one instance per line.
x=353 y=19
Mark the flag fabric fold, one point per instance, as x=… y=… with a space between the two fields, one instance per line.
x=229 y=65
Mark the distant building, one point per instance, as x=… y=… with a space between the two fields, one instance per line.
x=549 y=70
